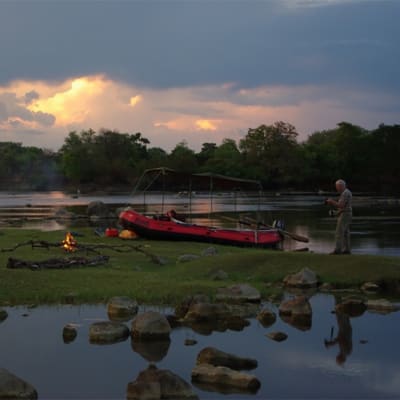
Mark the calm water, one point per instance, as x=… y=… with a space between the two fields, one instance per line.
x=375 y=228
x=32 y=347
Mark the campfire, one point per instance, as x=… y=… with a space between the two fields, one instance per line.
x=69 y=243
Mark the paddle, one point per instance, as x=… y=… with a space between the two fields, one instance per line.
x=292 y=235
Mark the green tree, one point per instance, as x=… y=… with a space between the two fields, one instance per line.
x=156 y=157
x=340 y=152
x=77 y=157
x=26 y=167
x=182 y=158
x=118 y=156
x=207 y=151
x=109 y=157
x=271 y=154
x=226 y=159
x=383 y=169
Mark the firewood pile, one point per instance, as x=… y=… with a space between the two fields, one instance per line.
x=70 y=245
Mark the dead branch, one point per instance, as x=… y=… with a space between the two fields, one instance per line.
x=88 y=247
x=57 y=263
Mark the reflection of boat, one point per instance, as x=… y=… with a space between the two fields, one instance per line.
x=169 y=228
x=185 y=193
x=188 y=194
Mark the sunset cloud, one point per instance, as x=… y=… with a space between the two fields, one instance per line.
x=135 y=100
x=206 y=125
x=168 y=116
x=72 y=101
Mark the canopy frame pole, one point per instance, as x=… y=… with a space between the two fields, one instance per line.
x=211 y=197
x=190 y=199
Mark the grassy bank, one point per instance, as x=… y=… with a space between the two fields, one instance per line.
x=134 y=274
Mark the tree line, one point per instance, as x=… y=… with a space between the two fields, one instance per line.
x=367 y=159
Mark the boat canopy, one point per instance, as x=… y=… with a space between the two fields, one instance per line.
x=163 y=178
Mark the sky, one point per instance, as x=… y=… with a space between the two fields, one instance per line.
x=195 y=70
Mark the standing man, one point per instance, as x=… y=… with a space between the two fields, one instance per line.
x=344 y=215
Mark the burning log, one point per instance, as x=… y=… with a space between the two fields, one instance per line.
x=57 y=263
x=69 y=243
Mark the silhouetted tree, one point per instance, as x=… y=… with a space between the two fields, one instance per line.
x=271 y=153
x=182 y=158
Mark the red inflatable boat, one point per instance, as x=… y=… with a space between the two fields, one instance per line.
x=169 y=228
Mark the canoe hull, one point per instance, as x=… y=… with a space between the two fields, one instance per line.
x=161 y=229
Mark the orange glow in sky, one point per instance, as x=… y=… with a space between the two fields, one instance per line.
x=135 y=100
x=71 y=104
x=205 y=125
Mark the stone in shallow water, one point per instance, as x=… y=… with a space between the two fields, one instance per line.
x=69 y=333
x=225 y=377
x=213 y=356
x=107 y=332
x=182 y=308
x=150 y=325
x=13 y=387
x=122 y=308
x=266 y=317
x=297 y=312
x=239 y=293
x=153 y=384
x=277 y=336
x=381 y=306
x=3 y=314
x=297 y=306
x=370 y=287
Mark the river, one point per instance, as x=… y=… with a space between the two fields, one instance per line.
x=375 y=228
x=311 y=364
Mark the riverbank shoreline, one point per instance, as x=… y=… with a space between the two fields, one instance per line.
x=162 y=272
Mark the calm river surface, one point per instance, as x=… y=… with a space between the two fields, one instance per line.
x=303 y=366
x=375 y=228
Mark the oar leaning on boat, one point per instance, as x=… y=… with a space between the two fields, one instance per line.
x=292 y=235
x=250 y=221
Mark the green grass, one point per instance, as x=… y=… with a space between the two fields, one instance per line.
x=135 y=275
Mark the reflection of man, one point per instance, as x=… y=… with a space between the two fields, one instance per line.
x=343 y=338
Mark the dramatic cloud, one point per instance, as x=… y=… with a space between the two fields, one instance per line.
x=13 y=111
x=197 y=70
x=196 y=114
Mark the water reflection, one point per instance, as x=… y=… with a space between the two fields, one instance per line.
x=343 y=338
x=225 y=389
x=300 y=322
x=300 y=366
x=151 y=350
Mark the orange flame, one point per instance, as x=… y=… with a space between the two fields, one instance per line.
x=69 y=243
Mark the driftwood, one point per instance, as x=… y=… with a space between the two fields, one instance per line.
x=121 y=248
x=57 y=263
